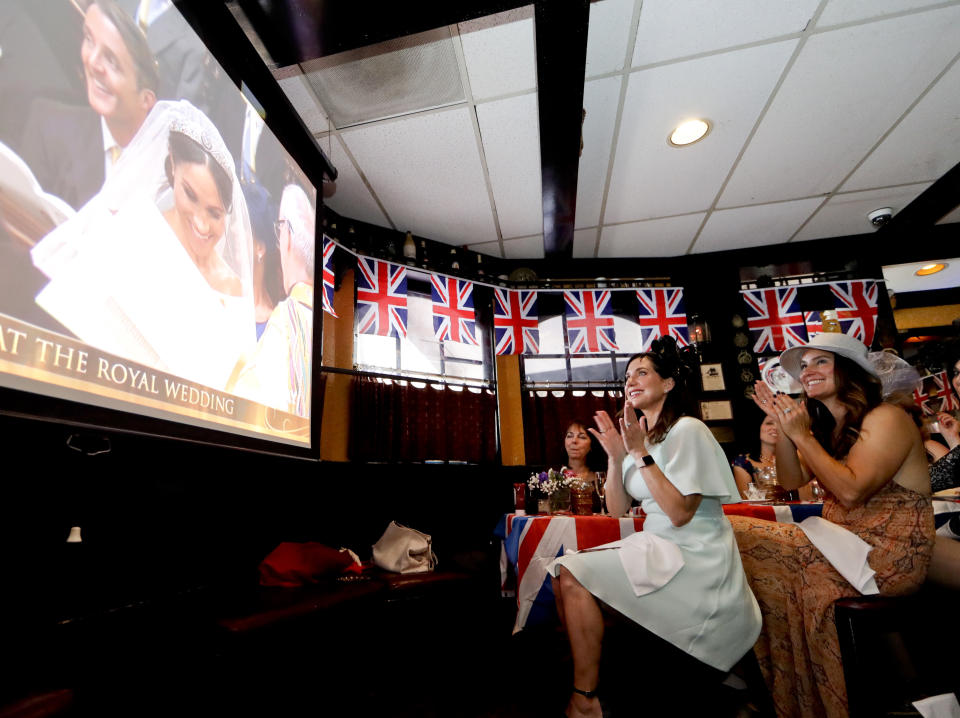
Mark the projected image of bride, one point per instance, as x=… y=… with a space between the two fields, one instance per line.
x=130 y=277
x=157 y=267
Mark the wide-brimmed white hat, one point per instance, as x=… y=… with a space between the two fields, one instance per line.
x=842 y=344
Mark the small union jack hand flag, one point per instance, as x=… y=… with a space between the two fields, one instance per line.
x=453 y=317
x=381 y=298
x=774 y=318
x=327 y=296
x=661 y=313
x=590 y=322
x=856 y=305
x=934 y=394
x=515 y=322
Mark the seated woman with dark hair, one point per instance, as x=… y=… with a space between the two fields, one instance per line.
x=584 y=456
x=869 y=459
x=746 y=466
x=680 y=578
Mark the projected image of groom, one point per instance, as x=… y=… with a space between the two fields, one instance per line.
x=71 y=150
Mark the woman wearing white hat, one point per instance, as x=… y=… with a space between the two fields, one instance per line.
x=869 y=458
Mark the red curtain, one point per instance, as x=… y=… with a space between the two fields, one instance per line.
x=546 y=418
x=402 y=422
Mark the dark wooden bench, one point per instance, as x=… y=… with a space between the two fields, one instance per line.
x=896 y=649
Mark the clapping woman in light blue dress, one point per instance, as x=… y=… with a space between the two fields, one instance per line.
x=680 y=578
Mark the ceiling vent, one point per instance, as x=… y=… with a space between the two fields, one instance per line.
x=398 y=77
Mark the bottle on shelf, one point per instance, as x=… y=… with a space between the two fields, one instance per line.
x=409 y=247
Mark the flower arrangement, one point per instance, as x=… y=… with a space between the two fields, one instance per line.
x=549 y=481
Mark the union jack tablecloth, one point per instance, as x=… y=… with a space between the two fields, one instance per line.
x=530 y=543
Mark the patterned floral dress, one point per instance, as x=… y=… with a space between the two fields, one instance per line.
x=798 y=649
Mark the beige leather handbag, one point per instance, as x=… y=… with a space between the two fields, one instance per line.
x=404 y=550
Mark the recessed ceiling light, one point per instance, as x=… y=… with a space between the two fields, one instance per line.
x=688 y=132
x=928 y=269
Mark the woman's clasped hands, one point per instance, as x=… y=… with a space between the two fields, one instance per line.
x=792 y=415
x=629 y=438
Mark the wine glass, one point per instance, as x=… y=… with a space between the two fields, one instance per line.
x=601 y=489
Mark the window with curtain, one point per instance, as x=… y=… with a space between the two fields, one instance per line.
x=419 y=399
x=406 y=420
x=420 y=354
x=556 y=366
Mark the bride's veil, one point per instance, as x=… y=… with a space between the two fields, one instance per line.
x=139 y=174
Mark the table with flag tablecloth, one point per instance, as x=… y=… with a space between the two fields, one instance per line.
x=530 y=543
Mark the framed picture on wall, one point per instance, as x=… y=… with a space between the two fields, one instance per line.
x=712 y=377
x=716 y=410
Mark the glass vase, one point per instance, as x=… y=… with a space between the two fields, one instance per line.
x=560 y=501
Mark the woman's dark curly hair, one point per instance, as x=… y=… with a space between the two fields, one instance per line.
x=681 y=400
x=859 y=392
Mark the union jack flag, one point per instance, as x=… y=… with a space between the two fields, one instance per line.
x=590 y=322
x=814 y=324
x=381 y=298
x=327 y=295
x=530 y=542
x=775 y=319
x=856 y=305
x=934 y=394
x=662 y=313
x=515 y=322
x=453 y=317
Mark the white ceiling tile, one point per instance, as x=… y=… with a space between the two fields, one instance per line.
x=826 y=115
x=923 y=146
x=607 y=35
x=352 y=198
x=491 y=249
x=903 y=278
x=753 y=226
x=500 y=53
x=840 y=11
x=846 y=214
x=524 y=247
x=511 y=144
x=584 y=242
x=600 y=100
x=954 y=216
x=304 y=102
x=676 y=28
x=650 y=178
x=667 y=237
x=426 y=170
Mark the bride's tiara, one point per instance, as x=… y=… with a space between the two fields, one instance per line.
x=211 y=142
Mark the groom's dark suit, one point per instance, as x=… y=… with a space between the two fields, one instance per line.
x=63 y=146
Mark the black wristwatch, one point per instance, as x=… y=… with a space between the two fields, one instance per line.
x=647 y=460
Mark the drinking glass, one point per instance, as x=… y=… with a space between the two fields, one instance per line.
x=601 y=490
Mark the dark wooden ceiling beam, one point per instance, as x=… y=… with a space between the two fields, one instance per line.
x=935 y=202
x=561 y=62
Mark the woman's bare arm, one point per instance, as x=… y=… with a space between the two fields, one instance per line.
x=887 y=436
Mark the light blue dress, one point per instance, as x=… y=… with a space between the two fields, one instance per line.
x=707 y=608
